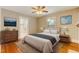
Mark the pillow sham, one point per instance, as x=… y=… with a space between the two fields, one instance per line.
x=51 y=31
x=54 y=31
x=46 y=31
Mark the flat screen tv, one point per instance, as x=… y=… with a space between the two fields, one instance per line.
x=9 y=22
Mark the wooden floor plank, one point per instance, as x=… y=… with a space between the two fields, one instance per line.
x=71 y=46
x=12 y=48
x=9 y=48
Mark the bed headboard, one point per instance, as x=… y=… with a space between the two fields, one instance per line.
x=52 y=30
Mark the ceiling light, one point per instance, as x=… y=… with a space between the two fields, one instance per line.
x=39 y=9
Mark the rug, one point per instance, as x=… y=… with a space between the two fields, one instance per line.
x=25 y=48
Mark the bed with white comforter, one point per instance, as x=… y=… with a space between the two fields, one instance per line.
x=40 y=43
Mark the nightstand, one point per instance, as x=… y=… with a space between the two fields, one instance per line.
x=65 y=38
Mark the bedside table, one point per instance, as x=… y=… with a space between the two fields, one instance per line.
x=65 y=38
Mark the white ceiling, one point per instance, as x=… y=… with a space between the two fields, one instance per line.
x=27 y=10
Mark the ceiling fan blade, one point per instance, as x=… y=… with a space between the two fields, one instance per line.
x=34 y=11
x=43 y=7
x=34 y=8
x=45 y=11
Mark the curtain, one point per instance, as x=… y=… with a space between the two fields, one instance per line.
x=23 y=27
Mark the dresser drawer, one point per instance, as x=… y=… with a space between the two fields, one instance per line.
x=8 y=36
x=65 y=39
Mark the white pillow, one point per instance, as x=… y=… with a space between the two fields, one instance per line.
x=54 y=31
x=46 y=31
x=51 y=31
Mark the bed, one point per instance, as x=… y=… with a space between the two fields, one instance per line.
x=40 y=43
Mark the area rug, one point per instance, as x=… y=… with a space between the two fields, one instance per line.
x=25 y=48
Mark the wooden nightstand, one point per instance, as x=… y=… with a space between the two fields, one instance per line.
x=65 y=38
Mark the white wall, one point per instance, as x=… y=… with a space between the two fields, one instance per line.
x=73 y=29
x=7 y=13
x=0 y=28
x=0 y=19
x=32 y=25
x=74 y=34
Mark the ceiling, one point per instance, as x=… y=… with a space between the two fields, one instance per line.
x=27 y=10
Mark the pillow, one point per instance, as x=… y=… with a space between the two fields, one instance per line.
x=53 y=31
x=46 y=31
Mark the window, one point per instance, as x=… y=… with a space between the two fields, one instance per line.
x=51 y=22
x=23 y=26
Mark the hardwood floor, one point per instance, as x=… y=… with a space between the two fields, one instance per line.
x=67 y=47
x=63 y=48
x=9 y=48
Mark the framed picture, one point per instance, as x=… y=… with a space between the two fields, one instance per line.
x=8 y=21
x=66 y=20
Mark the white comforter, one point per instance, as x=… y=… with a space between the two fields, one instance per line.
x=41 y=43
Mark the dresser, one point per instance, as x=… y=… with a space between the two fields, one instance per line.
x=9 y=36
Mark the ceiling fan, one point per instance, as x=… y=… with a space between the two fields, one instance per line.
x=39 y=9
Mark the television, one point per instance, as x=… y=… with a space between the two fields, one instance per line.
x=9 y=22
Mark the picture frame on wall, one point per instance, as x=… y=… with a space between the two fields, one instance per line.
x=10 y=22
x=66 y=20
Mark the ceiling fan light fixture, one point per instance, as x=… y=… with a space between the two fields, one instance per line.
x=39 y=10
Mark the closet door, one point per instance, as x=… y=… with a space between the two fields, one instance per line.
x=23 y=27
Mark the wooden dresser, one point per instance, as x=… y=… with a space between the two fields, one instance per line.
x=9 y=36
